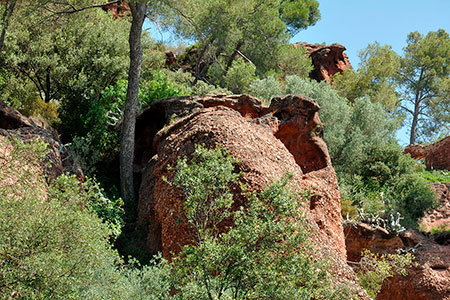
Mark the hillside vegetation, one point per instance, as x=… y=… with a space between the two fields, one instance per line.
x=88 y=74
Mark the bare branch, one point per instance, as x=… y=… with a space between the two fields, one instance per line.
x=72 y=9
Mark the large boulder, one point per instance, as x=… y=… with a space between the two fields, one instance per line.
x=437 y=155
x=428 y=279
x=15 y=125
x=327 y=60
x=267 y=142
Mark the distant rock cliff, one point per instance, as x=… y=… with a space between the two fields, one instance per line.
x=437 y=155
x=327 y=60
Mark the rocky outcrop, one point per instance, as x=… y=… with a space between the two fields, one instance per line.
x=440 y=216
x=437 y=155
x=14 y=124
x=267 y=142
x=327 y=60
x=428 y=279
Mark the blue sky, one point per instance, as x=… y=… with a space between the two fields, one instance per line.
x=356 y=23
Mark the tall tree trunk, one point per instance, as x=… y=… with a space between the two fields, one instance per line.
x=138 y=10
x=6 y=16
x=417 y=104
x=412 y=137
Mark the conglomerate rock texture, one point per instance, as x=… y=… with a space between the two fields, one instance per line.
x=429 y=279
x=267 y=142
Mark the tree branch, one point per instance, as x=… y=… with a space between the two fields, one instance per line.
x=73 y=9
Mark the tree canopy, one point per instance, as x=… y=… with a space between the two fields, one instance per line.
x=416 y=83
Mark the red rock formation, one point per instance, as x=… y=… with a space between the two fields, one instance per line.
x=360 y=236
x=14 y=124
x=429 y=279
x=292 y=129
x=437 y=155
x=327 y=60
x=267 y=142
x=440 y=216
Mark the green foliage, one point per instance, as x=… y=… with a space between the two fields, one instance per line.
x=413 y=197
x=239 y=76
x=416 y=83
x=299 y=14
x=70 y=59
x=388 y=182
x=424 y=79
x=225 y=30
x=205 y=181
x=267 y=88
x=265 y=255
x=294 y=61
x=52 y=243
x=373 y=269
x=374 y=78
x=202 y=88
x=101 y=142
x=91 y=195
x=436 y=175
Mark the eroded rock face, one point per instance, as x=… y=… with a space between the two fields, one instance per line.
x=437 y=155
x=430 y=279
x=14 y=124
x=267 y=141
x=327 y=60
x=440 y=216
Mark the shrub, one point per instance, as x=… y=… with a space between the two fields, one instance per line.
x=265 y=89
x=265 y=255
x=373 y=269
x=205 y=181
x=53 y=245
x=55 y=248
x=294 y=61
x=436 y=175
x=240 y=76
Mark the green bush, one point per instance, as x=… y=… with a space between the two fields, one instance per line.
x=240 y=76
x=267 y=88
x=265 y=255
x=436 y=175
x=55 y=238
x=294 y=61
x=373 y=269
